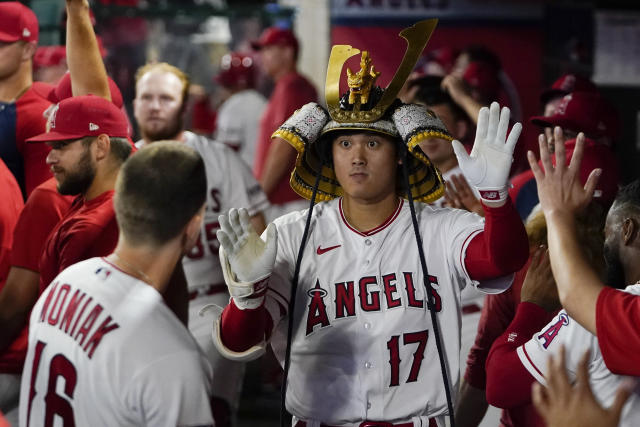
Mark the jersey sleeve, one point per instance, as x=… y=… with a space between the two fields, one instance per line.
x=618 y=329
x=508 y=382
x=562 y=330
x=239 y=175
x=172 y=391
x=40 y=215
x=459 y=228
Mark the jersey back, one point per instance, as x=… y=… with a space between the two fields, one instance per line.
x=102 y=348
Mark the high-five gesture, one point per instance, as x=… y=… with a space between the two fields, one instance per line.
x=488 y=166
x=249 y=257
x=559 y=187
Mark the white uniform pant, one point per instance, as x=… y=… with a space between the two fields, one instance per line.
x=227 y=374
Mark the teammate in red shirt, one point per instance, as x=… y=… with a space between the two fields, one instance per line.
x=274 y=160
x=9 y=211
x=21 y=106
x=10 y=208
x=89 y=141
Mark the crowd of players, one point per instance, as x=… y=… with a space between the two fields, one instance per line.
x=104 y=263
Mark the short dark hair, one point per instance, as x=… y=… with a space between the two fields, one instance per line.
x=158 y=191
x=120 y=147
x=430 y=93
x=628 y=198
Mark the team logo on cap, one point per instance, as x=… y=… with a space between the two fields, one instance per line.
x=51 y=122
x=26 y=33
x=93 y=126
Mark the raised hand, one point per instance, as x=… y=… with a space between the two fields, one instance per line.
x=487 y=167
x=458 y=194
x=250 y=258
x=561 y=404
x=559 y=187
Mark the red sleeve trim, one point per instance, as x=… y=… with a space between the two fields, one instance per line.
x=508 y=381
x=531 y=362
x=502 y=248
x=618 y=330
x=242 y=329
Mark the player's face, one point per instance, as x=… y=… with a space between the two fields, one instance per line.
x=613 y=264
x=11 y=56
x=158 y=105
x=437 y=149
x=72 y=165
x=365 y=166
x=272 y=59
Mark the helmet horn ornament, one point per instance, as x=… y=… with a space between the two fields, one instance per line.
x=360 y=83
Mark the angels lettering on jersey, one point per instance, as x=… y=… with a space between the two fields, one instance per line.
x=369 y=294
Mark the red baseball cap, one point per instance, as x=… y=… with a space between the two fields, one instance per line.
x=483 y=78
x=565 y=85
x=17 y=22
x=63 y=91
x=276 y=36
x=235 y=69
x=49 y=56
x=586 y=112
x=81 y=116
x=596 y=156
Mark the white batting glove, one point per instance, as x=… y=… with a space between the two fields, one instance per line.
x=488 y=166
x=247 y=260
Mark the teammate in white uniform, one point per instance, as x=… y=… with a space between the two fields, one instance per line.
x=565 y=331
x=104 y=349
x=230 y=183
x=159 y=105
x=239 y=115
x=363 y=344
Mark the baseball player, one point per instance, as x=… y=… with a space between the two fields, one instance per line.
x=101 y=330
x=21 y=105
x=239 y=115
x=161 y=91
x=519 y=357
x=363 y=346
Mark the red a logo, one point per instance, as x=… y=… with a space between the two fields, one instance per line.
x=550 y=333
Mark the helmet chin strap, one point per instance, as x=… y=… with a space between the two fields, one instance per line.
x=427 y=285
x=284 y=418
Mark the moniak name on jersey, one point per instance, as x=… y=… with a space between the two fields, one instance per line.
x=76 y=314
x=368 y=299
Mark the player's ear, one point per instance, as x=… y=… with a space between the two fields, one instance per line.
x=103 y=146
x=629 y=230
x=29 y=50
x=192 y=230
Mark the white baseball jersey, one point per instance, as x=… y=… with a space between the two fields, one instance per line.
x=230 y=184
x=104 y=349
x=239 y=120
x=363 y=345
x=563 y=330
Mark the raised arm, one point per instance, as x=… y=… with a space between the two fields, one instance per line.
x=88 y=74
x=561 y=196
x=502 y=247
